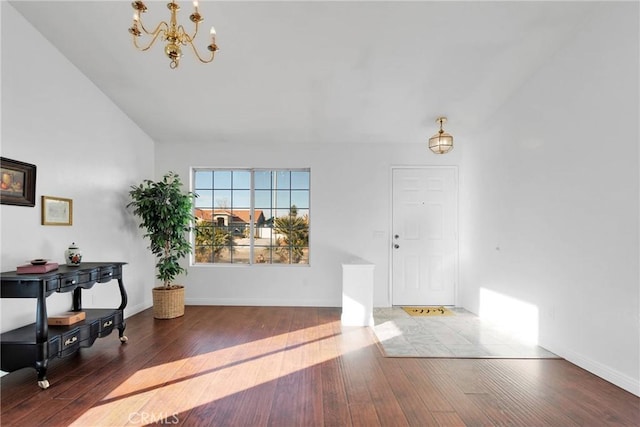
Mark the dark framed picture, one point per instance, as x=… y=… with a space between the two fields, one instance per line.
x=18 y=183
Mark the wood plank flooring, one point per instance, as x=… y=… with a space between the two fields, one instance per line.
x=290 y=366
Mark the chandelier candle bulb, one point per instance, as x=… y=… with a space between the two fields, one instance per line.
x=213 y=35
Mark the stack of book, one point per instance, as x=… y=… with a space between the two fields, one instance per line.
x=68 y=318
x=37 y=269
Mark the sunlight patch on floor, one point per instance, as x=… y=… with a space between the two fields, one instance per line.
x=178 y=386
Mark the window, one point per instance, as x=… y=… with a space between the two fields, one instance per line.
x=251 y=216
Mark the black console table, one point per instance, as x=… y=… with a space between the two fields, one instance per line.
x=35 y=344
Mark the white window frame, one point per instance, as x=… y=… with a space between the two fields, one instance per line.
x=252 y=223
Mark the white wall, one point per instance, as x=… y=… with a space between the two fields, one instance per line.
x=552 y=181
x=350 y=216
x=85 y=149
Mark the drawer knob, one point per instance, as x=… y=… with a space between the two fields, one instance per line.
x=107 y=323
x=71 y=340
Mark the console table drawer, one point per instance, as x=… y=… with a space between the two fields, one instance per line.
x=68 y=281
x=106 y=325
x=69 y=342
x=105 y=274
x=89 y=276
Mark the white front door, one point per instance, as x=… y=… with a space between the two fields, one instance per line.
x=424 y=237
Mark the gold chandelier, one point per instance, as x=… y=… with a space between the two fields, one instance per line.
x=174 y=34
x=442 y=142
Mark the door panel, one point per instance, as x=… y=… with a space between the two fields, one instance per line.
x=425 y=242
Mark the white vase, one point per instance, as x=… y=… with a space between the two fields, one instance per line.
x=73 y=255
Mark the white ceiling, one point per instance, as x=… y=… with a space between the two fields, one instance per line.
x=314 y=71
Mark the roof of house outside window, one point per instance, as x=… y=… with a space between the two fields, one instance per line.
x=235 y=215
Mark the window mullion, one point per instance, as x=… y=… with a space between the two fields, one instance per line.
x=252 y=217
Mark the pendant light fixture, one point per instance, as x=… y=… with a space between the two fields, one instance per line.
x=442 y=142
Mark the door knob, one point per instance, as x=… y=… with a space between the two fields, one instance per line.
x=396 y=236
x=396 y=246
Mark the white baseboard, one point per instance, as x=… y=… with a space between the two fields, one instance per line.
x=274 y=302
x=630 y=384
x=131 y=310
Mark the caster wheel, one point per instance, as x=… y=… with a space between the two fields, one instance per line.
x=124 y=339
x=44 y=384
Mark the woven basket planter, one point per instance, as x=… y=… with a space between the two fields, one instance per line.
x=168 y=303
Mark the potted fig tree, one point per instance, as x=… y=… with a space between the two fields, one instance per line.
x=166 y=214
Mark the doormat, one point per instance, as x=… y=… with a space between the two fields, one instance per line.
x=428 y=311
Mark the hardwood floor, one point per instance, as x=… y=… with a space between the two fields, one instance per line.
x=279 y=366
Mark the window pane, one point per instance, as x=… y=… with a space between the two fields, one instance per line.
x=304 y=258
x=263 y=236
x=263 y=198
x=260 y=219
x=203 y=179
x=283 y=180
x=283 y=199
x=226 y=245
x=262 y=180
x=268 y=217
x=241 y=199
x=300 y=199
x=222 y=179
x=204 y=199
x=264 y=255
x=222 y=199
x=300 y=180
x=241 y=180
x=224 y=257
x=241 y=253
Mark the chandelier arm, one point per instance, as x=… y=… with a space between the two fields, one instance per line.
x=157 y=29
x=189 y=38
x=195 y=51
x=183 y=37
x=153 y=40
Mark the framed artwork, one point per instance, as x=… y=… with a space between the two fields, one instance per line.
x=57 y=211
x=18 y=183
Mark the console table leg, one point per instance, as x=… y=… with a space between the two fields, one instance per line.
x=42 y=338
x=41 y=369
x=123 y=338
x=123 y=295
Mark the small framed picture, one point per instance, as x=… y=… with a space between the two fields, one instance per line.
x=57 y=211
x=18 y=183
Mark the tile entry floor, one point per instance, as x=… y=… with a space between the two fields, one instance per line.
x=463 y=335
